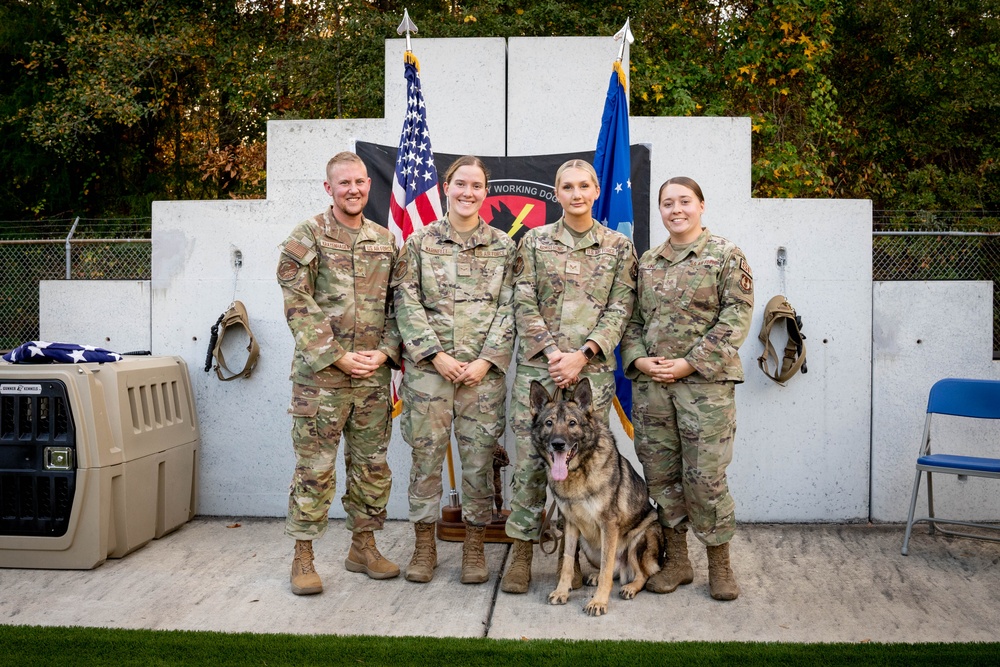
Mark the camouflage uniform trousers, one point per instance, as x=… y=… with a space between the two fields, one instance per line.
x=684 y=438
x=320 y=415
x=528 y=501
x=431 y=407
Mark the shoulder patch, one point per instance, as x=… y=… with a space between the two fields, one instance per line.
x=634 y=272
x=296 y=249
x=745 y=267
x=518 y=265
x=287 y=269
x=746 y=284
x=400 y=270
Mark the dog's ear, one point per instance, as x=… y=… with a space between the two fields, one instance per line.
x=584 y=395
x=538 y=397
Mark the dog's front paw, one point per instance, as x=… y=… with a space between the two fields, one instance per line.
x=558 y=596
x=591 y=579
x=629 y=591
x=596 y=607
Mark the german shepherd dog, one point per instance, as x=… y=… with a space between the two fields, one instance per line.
x=604 y=500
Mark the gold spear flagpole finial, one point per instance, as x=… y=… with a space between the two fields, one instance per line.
x=624 y=36
x=406 y=25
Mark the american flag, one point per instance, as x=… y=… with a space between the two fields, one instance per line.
x=43 y=352
x=416 y=197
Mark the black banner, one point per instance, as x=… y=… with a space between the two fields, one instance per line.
x=521 y=188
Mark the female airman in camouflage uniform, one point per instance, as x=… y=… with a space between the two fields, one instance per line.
x=574 y=288
x=680 y=348
x=454 y=308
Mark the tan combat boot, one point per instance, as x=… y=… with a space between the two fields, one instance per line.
x=473 y=557
x=721 y=581
x=364 y=557
x=421 y=567
x=677 y=569
x=519 y=573
x=305 y=581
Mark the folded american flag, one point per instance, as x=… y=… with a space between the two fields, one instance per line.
x=41 y=352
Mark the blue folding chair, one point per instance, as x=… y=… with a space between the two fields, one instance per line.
x=979 y=399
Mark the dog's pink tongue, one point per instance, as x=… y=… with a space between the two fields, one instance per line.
x=559 y=469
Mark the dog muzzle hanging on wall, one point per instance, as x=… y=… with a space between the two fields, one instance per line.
x=778 y=309
x=236 y=315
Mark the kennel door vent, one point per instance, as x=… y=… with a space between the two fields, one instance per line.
x=37 y=458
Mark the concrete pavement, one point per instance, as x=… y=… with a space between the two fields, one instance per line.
x=800 y=583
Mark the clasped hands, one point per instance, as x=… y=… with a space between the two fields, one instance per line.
x=565 y=367
x=361 y=364
x=469 y=373
x=661 y=369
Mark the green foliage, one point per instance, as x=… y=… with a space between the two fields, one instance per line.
x=108 y=105
x=920 y=83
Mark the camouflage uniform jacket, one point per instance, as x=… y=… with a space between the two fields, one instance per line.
x=695 y=304
x=337 y=299
x=455 y=296
x=567 y=292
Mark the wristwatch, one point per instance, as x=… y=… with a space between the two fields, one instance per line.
x=587 y=352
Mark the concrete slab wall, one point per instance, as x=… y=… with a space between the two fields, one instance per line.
x=802 y=449
x=926 y=331
x=113 y=314
x=556 y=88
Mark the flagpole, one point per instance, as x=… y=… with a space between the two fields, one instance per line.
x=406 y=25
x=614 y=207
x=624 y=36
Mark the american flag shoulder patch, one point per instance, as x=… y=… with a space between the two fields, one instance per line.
x=296 y=249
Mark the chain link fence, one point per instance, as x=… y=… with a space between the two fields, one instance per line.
x=907 y=245
x=78 y=249
x=939 y=245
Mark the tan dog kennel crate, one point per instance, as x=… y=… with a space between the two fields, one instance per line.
x=96 y=460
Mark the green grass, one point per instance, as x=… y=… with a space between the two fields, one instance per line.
x=26 y=646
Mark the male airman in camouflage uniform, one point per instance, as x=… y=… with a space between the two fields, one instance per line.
x=334 y=273
x=571 y=296
x=453 y=299
x=693 y=304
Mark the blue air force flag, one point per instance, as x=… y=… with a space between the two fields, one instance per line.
x=612 y=159
x=41 y=352
x=614 y=207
